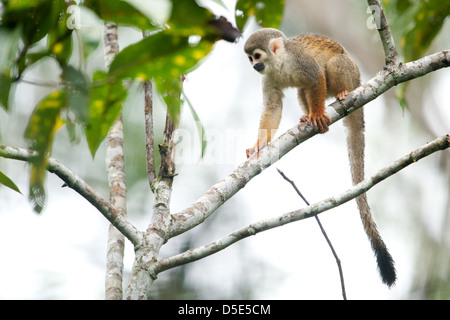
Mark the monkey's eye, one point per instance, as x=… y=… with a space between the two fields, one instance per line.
x=250 y=58
x=257 y=56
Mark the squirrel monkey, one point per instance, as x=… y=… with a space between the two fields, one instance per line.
x=318 y=67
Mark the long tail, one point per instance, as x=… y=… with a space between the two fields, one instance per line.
x=355 y=142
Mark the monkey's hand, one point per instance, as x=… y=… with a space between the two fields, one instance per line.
x=255 y=149
x=342 y=95
x=319 y=121
x=251 y=151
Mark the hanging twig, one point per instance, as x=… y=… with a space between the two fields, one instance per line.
x=441 y=143
x=338 y=261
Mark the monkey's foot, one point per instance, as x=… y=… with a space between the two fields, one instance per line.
x=303 y=122
x=255 y=149
x=251 y=151
x=319 y=122
x=342 y=95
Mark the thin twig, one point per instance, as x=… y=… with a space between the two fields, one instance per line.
x=310 y=211
x=149 y=133
x=149 y=129
x=338 y=261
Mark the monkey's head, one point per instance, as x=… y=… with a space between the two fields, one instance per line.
x=262 y=46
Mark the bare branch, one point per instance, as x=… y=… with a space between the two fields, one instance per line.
x=118 y=197
x=312 y=210
x=167 y=150
x=149 y=129
x=115 y=165
x=111 y=43
x=149 y=133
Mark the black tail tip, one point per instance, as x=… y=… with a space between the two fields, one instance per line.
x=386 y=268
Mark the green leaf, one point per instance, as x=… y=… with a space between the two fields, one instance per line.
x=37 y=20
x=33 y=17
x=5 y=86
x=170 y=90
x=165 y=58
x=45 y=121
x=172 y=52
x=60 y=35
x=161 y=55
x=40 y=132
x=414 y=24
x=188 y=18
x=268 y=13
x=400 y=95
x=7 y=182
x=120 y=12
x=428 y=22
x=104 y=108
x=18 y=5
x=60 y=48
x=9 y=39
x=200 y=22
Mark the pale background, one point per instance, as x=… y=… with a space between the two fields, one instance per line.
x=60 y=254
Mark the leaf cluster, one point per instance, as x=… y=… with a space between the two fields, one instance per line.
x=415 y=24
x=266 y=12
x=31 y=30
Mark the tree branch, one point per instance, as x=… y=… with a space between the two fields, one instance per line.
x=149 y=133
x=82 y=188
x=111 y=42
x=118 y=198
x=382 y=24
x=115 y=165
x=312 y=210
x=226 y=188
x=149 y=129
x=161 y=220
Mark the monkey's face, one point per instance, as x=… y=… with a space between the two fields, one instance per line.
x=258 y=59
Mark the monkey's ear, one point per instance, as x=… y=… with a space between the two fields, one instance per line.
x=275 y=45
